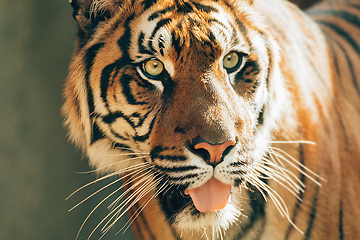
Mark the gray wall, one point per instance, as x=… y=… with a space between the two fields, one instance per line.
x=37 y=165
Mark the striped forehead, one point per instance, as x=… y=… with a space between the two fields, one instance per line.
x=152 y=31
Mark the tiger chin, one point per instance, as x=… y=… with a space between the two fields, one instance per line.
x=223 y=119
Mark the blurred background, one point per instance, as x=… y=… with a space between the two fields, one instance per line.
x=38 y=167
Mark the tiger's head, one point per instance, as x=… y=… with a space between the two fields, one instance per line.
x=178 y=96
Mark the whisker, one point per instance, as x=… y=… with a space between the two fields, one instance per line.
x=118 y=212
x=276 y=198
x=142 y=178
x=295 y=141
x=108 y=185
x=125 y=192
x=279 y=154
x=274 y=176
x=130 y=149
x=106 y=176
x=124 y=154
x=97 y=206
x=142 y=207
x=87 y=218
x=284 y=172
x=205 y=234
x=250 y=179
x=128 y=182
x=119 y=162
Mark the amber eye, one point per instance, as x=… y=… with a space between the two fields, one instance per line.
x=232 y=61
x=153 y=68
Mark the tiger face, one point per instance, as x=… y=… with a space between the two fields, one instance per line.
x=185 y=87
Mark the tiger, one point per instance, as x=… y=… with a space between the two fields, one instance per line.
x=220 y=119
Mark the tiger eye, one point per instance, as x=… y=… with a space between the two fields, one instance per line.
x=153 y=67
x=231 y=61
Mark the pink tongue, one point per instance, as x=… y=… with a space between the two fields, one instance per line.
x=211 y=196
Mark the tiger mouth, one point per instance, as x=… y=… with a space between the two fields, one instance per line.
x=178 y=199
x=211 y=196
x=174 y=201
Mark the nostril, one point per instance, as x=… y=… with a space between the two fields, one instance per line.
x=215 y=151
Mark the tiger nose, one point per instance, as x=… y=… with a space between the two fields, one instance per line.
x=215 y=150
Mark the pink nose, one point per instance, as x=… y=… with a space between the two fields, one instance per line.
x=216 y=150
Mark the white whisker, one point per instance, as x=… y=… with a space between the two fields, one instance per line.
x=275 y=161
x=108 y=185
x=142 y=207
x=128 y=182
x=101 y=202
x=278 y=178
x=295 y=141
x=124 y=154
x=108 y=176
x=280 y=156
x=140 y=193
x=125 y=192
x=130 y=149
x=274 y=196
x=285 y=173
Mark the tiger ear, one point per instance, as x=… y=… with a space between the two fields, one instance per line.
x=89 y=13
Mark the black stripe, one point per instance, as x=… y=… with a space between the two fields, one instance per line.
x=343 y=34
x=142 y=48
x=205 y=8
x=117 y=135
x=238 y=164
x=124 y=43
x=126 y=90
x=238 y=172
x=111 y=117
x=214 y=20
x=312 y=215
x=348 y=60
x=143 y=138
x=347 y=16
x=341 y=224
x=169 y=157
x=104 y=82
x=176 y=169
x=89 y=61
x=97 y=134
x=239 y=77
x=242 y=29
x=122 y=147
x=156 y=154
x=159 y=25
x=181 y=178
x=160 y=13
x=301 y=193
x=176 y=43
x=148 y=4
